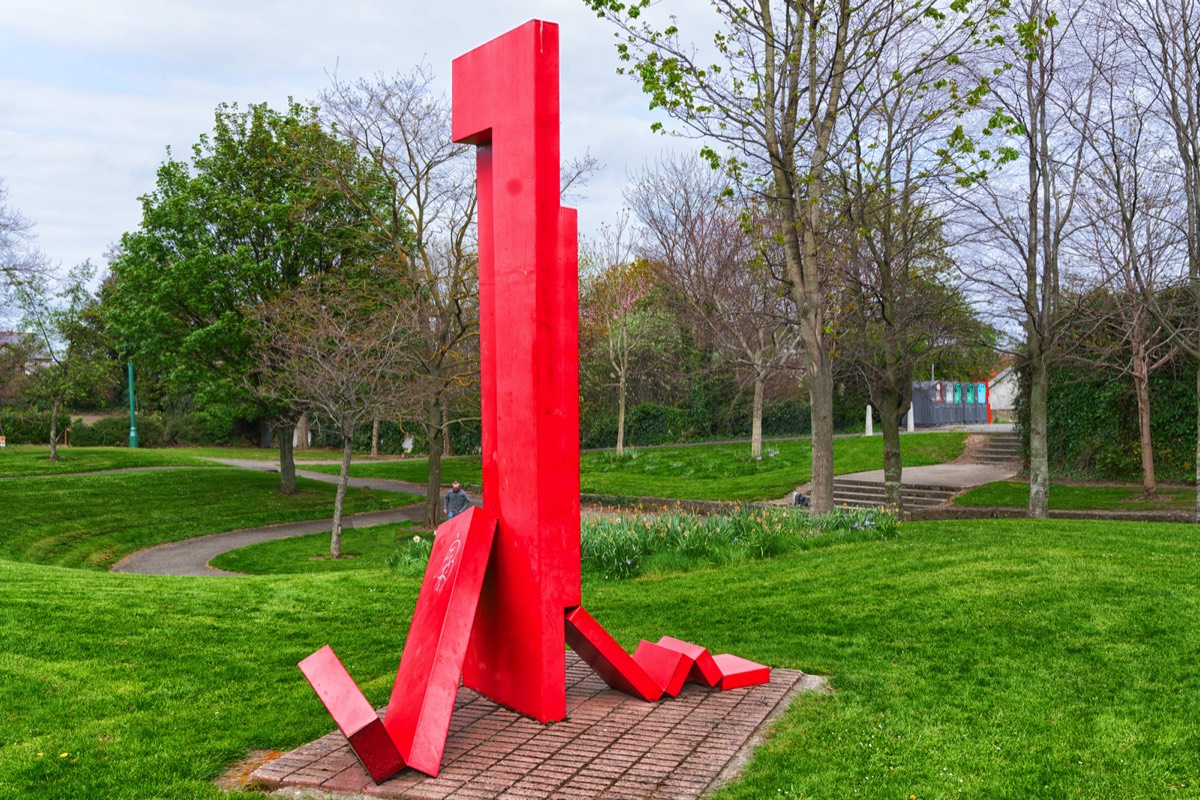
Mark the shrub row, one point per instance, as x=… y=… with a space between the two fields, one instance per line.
x=624 y=546
x=649 y=423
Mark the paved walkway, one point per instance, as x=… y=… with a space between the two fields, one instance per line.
x=191 y=556
x=96 y=472
x=961 y=476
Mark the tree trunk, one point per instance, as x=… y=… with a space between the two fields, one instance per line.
x=756 y=421
x=889 y=419
x=446 y=451
x=820 y=396
x=287 y=463
x=1039 y=458
x=621 y=416
x=433 y=487
x=1141 y=385
x=339 y=500
x=54 y=429
x=300 y=438
x=375 y=437
x=1197 y=519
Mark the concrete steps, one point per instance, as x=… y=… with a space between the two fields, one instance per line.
x=1001 y=448
x=868 y=494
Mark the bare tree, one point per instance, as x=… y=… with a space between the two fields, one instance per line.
x=719 y=262
x=897 y=303
x=1165 y=36
x=19 y=258
x=68 y=342
x=1044 y=103
x=422 y=225
x=1133 y=234
x=339 y=348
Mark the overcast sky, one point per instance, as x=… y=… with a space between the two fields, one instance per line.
x=91 y=94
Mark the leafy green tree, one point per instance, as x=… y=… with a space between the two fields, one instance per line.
x=71 y=353
x=252 y=215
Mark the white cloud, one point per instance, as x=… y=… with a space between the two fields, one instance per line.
x=91 y=94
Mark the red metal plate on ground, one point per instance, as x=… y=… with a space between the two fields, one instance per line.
x=602 y=653
x=704 y=670
x=506 y=101
x=668 y=668
x=738 y=672
x=418 y=713
x=352 y=712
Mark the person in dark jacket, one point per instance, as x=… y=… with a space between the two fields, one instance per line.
x=456 y=501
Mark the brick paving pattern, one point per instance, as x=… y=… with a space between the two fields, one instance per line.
x=610 y=746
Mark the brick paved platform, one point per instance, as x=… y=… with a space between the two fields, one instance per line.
x=611 y=746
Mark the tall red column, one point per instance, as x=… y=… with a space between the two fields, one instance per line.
x=506 y=101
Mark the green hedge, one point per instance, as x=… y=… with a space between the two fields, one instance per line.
x=155 y=430
x=27 y=426
x=1092 y=426
x=648 y=423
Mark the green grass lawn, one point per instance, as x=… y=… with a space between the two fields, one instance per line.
x=1075 y=497
x=362 y=548
x=994 y=658
x=34 y=459
x=699 y=472
x=94 y=520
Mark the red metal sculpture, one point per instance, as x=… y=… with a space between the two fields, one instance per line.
x=506 y=102
x=501 y=593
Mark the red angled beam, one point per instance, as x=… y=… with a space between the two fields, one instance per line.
x=422 y=701
x=355 y=717
x=506 y=102
x=668 y=668
x=602 y=653
x=704 y=670
x=738 y=672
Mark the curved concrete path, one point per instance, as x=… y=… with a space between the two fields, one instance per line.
x=190 y=557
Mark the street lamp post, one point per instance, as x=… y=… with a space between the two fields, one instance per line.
x=133 y=442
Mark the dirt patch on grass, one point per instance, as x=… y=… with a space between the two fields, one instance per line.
x=237 y=777
x=972 y=446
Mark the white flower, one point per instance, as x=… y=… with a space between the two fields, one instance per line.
x=417 y=539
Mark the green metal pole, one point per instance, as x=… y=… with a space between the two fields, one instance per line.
x=133 y=442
